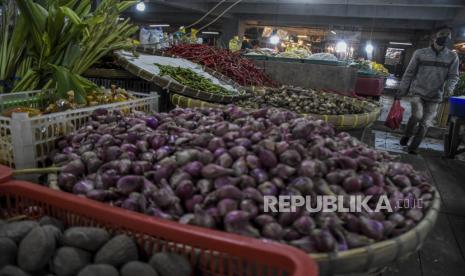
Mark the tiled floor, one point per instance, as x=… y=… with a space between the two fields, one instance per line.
x=386 y=102
x=390 y=142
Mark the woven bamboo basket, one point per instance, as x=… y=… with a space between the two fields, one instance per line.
x=340 y=122
x=173 y=86
x=370 y=260
x=216 y=74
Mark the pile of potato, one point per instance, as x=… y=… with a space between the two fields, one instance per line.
x=45 y=247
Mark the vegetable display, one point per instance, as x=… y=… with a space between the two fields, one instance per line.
x=302 y=101
x=212 y=168
x=54 y=42
x=232 y=65
x=45 y=247
x=366 y=67
x=106 y=96
x=189 y=78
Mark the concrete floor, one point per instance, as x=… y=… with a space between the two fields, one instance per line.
x=443 y=253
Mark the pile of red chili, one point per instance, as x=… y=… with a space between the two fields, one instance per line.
x=233 y=65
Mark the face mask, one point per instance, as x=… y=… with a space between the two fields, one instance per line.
x=442 y=40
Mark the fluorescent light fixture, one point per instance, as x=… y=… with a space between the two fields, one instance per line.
x=302 y=36
x=369 y=48
x=401 y=43
x=333 y=32
x=140 y=6
x=341 y=47
x=211 y=33
x=159 y=25
x=274 y=39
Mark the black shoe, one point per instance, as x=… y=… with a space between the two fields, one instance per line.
x=404 y=141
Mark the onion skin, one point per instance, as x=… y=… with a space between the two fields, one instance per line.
x=372 y=228
x=66 y=181
x=252 y=161
x=227 y=205
x=75 y=167
x=214 y=171
x=130 y=183
x=229 y=191
x=267 y=158
x=238 y=222
x=83 y=187
x=250 y=207
x=272 y=231
x=308 y=168
x=259 y=175
x=304 y=225
x=194 y=168
x=263 y=219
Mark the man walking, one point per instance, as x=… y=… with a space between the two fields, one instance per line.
x=431 y=77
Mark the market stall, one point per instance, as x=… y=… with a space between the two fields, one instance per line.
x=252 y=164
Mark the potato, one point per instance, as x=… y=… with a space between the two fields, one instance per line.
x=54 y=232
x=8 y=252
x=118 y=251
x=10 y=270
x=87 y=238
x=36 y=250
x=52 y=221
x=167 y=264
x=99 y=269
x=69 y=261
x=17 y=230
x=138 y=268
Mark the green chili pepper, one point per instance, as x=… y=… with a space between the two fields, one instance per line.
x=191 y=79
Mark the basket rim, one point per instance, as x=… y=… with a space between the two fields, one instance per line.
x=5 y=173
x=210 y=239
x=429 y=218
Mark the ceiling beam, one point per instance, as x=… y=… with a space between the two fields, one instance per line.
x=324 y=21
x=404 y=3
x=190 y=6
x=389 y=12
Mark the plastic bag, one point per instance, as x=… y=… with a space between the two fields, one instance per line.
x=394 y=118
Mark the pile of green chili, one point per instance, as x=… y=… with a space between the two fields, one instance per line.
x=191 y=79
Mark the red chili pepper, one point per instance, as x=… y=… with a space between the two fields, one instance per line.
x=233 y=65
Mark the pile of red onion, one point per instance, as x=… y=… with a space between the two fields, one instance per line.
x=212 y=168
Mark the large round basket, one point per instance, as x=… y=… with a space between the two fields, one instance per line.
x=340 y=122
x=173 y=86
x=370 y=260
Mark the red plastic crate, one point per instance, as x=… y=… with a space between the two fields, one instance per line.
x=5 y=174
x=214 y=252
x=369 y=86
